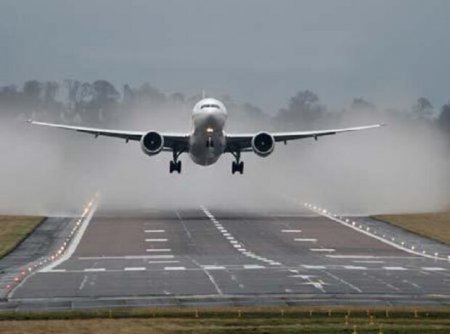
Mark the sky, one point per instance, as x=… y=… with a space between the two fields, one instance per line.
x=388 y=51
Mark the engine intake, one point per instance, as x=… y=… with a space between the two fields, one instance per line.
x=152 y=143
x=263 y=144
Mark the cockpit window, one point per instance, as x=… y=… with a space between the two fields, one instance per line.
x=209 y=106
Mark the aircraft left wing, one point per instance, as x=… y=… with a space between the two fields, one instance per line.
x=243 y=142
x=171 y=140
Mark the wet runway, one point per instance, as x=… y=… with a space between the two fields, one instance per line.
x=211 y=257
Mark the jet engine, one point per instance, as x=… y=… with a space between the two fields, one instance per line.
x=152 y=143
x=263 y=144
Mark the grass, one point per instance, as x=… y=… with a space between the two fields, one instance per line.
x=14 y=229
x=432 y=225
x=230 y=320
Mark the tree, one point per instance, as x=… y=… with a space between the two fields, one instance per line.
x=423 y=109
x=32 y=90
x=444 y=118
x=361 y=104
x=303 y=107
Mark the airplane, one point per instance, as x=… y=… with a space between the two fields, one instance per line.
x=207 y=141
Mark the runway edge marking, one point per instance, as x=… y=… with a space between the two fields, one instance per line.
x=388 y=242
x=75 y=242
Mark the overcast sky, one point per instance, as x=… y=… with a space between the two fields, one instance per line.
x=389 y=52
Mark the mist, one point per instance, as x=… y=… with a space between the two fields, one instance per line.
x=403 y=167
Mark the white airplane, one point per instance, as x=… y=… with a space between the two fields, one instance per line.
x=208 y=140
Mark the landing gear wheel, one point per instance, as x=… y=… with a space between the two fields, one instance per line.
x=175 y=166
x=237 y=167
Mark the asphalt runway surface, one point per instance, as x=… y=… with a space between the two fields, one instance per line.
x=209 y=257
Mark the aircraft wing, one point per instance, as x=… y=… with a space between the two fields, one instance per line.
x=243 y=142
x=180 y=140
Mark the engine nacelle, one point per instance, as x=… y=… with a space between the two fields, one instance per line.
x=152 y=143
x=263 y=144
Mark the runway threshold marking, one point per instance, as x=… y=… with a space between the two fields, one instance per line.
x=305 y=239
x=291 y=231
x=326 y=250
x=156 y=240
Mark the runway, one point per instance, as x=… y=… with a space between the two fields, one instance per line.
x=207 y=257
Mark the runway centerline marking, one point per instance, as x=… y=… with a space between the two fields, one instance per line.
x=433 y=269
x=154 y=231
x=94 y=270
x=305 y=239
x=355 y=267
x=326 y=250
x=307 y=266
x=162 y=261
x=253 y=266
x=156 y=240
x=158 y=250
x=291 y=231
x=159 y=256
x=175 y=268
x=125 y=257
x=394 y=268
x=135 y=269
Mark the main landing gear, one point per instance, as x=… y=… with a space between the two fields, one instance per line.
x=237 y=166
x=175 y=165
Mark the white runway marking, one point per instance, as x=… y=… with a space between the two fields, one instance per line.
x=306 y=266
x=160 y=256
x=162 y=261
x=94 y=269
x=253 y=266
x=56 y=270
x=355 y=267
x=175 y=268
x=367 y=261
x=158 y=250
x=125 y=257
x=305 y=239
x=155 y=231
x=433 y=269
x=394 y=268
x=155 y=240
x=135 y=269
x=326 y=250
x=213 y=267
x=344 y=281
x=291 y=231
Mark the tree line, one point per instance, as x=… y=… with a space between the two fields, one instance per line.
x=101 y=103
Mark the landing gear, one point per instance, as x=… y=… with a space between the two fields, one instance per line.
x=175 y=165
x=237 y=166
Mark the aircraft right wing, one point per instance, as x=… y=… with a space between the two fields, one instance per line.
x=179 y=141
